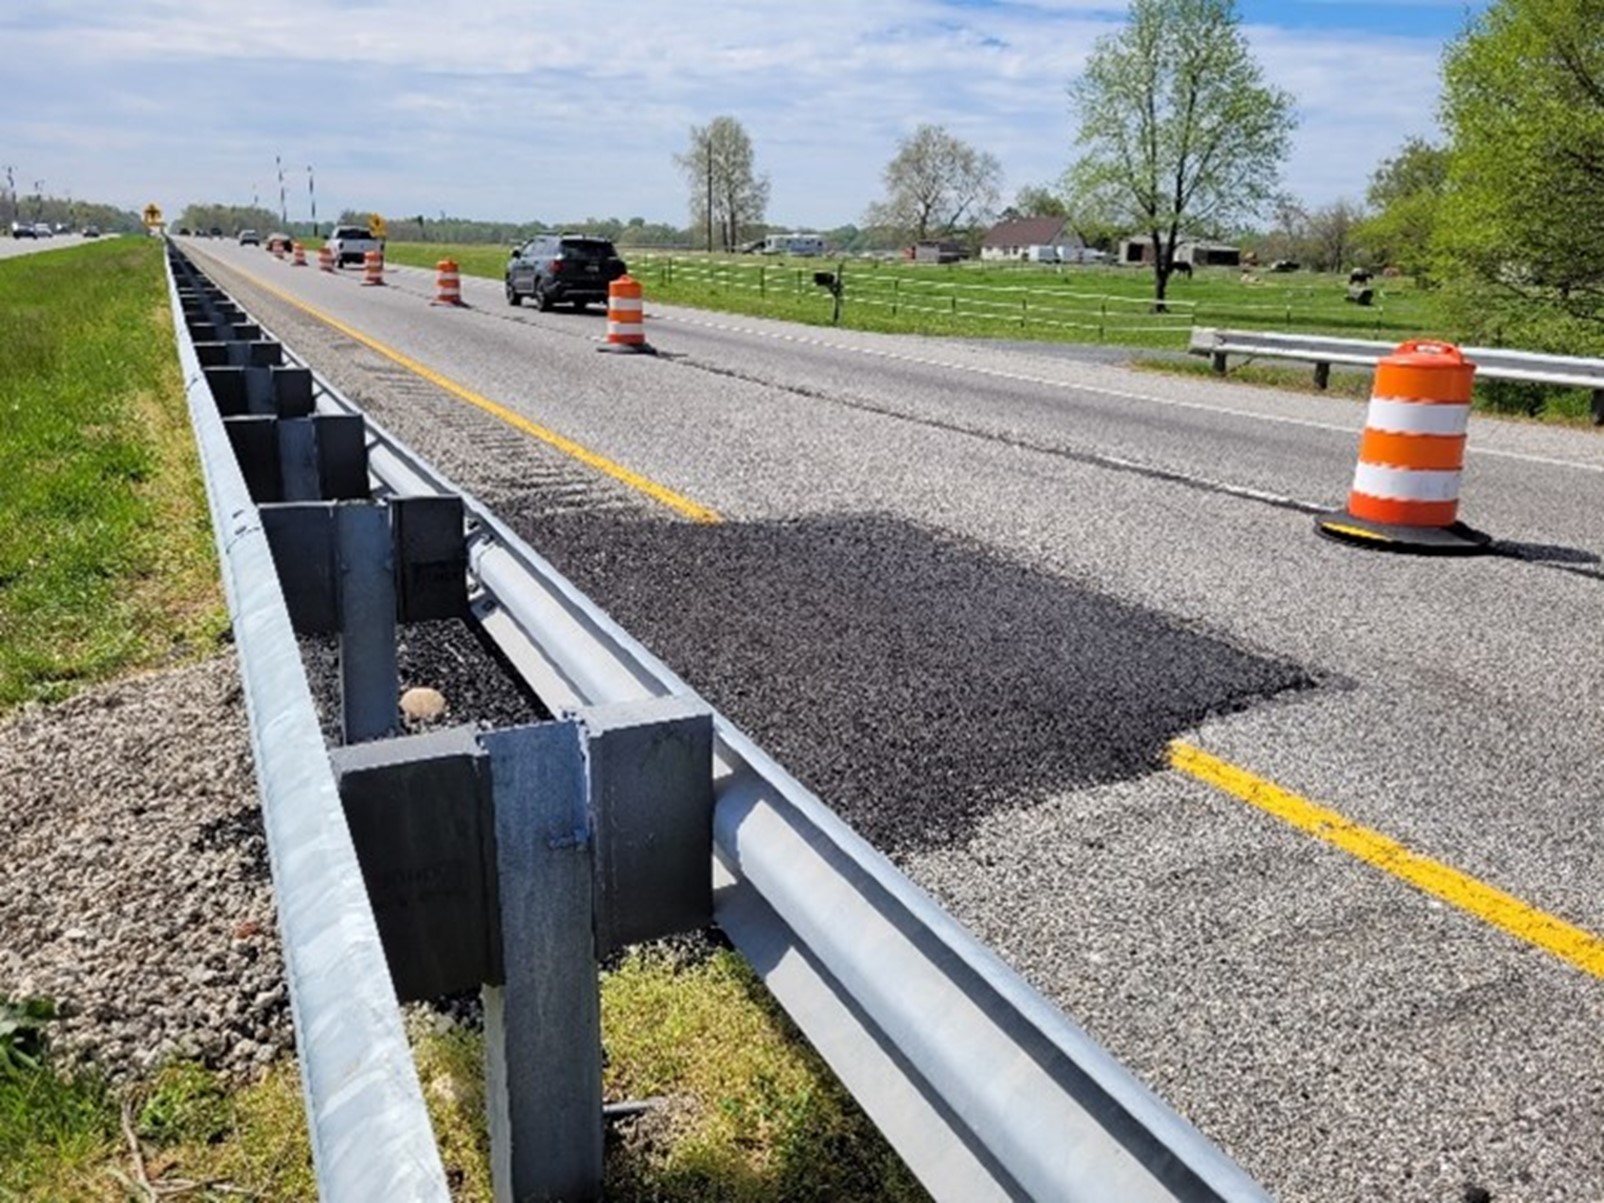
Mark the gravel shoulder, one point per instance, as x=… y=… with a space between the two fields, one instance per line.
x=137 y=893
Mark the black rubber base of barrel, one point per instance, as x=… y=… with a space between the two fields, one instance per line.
x=1455 y=540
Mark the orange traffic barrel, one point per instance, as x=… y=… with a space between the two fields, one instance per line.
x=626 y=330
x=373 y=268
x=325 y=258
x=447 y=284
x=300 y=256
x=1405 y=494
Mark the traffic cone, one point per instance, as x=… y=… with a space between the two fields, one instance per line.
x=373 y=268
x=1405 y=494
x=325 y=258
x=300 y=256
x=626 y=332
x=448 y=284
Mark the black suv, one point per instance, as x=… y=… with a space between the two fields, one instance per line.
x=562 y=269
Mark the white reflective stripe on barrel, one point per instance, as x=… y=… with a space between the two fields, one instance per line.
x=1414 y=417
x=625 y=328
x=1406 y=484
x=623 y=304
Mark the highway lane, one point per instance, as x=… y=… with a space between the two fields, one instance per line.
x=929 y=536
x=12 y=247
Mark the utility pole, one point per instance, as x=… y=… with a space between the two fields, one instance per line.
x=707 y=149
x=11 y=187
x=38 y=198
x=312 y=194
x=283 y=205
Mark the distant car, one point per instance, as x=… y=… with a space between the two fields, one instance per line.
x=215 y=232
x=1285 y=265
x=91 y=232
x=279 y=242
x=249 y=238
x=41 y=229
x=562 y=269
x=21 y=229
x=351 y=244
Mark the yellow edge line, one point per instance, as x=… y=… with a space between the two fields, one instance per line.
x=1572 y=944
x=657 y=492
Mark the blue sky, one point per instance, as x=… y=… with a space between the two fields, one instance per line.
x=536 y=109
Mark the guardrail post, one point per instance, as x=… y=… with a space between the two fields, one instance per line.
x=1322 y=375
x=370 y=681
x=543 y=1022
x=1598 y=407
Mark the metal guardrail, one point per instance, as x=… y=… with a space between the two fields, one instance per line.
x=370 y=1131
x=986 y=1089
x=1495 y=363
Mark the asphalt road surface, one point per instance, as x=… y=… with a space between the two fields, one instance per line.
x=1307 y=835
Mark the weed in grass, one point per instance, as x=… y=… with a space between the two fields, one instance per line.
x=56 y=1127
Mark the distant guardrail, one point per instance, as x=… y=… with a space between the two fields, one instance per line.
x=1495 y=363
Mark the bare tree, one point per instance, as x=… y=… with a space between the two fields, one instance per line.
x=1331 y=234
x=727 y=197
x=936 y=185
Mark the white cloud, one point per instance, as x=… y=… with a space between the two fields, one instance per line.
x=515 y=109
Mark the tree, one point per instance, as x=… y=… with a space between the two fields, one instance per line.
x=726 y=195
x=1039 y=200
x=1521 y=239
x=1331 y=235
x=1179 y=133
x=1405 y=194
x=936 y=185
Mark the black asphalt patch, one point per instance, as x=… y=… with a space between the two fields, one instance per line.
x=913 y=681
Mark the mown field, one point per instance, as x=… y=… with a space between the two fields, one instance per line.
x=1093 y=304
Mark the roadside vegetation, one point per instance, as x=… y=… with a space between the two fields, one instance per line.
x=106 y=560
x=741 y=1110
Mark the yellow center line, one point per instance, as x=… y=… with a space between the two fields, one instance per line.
x=1571 y=944
x=658 y=493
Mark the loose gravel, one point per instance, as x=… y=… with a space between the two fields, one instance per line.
x=138 y=895
x=136 y=891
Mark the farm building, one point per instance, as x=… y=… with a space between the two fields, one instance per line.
x=935 y=252
x=1198 y=254
x=1035 y=239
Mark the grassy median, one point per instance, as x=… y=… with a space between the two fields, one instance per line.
x=106 y=560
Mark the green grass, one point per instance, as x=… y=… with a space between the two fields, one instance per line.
x=1095 y=304
x=106 y=561
x=751 y=1114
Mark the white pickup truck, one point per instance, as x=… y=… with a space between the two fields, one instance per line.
x=350 y=244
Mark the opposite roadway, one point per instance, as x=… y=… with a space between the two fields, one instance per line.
x=1306 y=835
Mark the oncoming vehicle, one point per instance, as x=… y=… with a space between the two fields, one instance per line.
x=41 y=229
x=562 y=269
x=21 y=229
x=280 y=242
x=351 y=244
x=249 y=238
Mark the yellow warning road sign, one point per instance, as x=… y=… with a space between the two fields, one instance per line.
x=153 y=214
x=376 y=226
